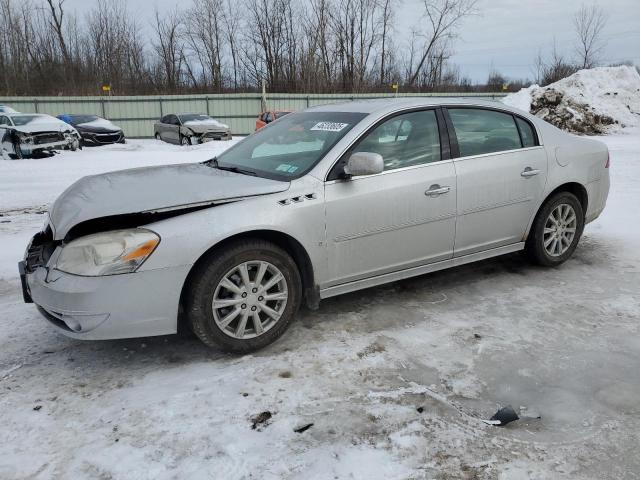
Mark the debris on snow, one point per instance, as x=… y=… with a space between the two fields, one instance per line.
x=303 y=428
x=502 y=417
x=591 y=102
x=260 y=420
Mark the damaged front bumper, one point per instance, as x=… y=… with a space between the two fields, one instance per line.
x=140 y=304
x=210 y=136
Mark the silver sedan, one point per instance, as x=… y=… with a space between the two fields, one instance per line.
x=319 y=203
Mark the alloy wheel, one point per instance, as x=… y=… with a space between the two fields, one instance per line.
x=250 y=299
x=560 y=230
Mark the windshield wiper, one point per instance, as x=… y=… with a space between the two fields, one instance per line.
x=243 y=171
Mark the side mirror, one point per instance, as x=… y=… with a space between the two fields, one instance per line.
x=364 y=163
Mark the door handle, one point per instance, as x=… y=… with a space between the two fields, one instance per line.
x=435 y=190
x=529 y=172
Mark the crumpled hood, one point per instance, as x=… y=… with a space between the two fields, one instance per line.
x=44 y=127
x=150 y=189
x=202 y=126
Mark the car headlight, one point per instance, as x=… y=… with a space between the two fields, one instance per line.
x=108 y=253
x=24 y=137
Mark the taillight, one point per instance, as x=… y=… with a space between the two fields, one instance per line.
x=606 y=165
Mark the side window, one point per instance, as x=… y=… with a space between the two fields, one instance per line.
x=526 y=132
x=4 y=121
x=404 y=140
x=484 y=131
x=165 y=119
x=175 y=120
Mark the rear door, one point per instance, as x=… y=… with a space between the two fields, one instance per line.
x=398 y=219
x=501 y=171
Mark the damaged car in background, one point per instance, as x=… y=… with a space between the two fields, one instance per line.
x=316 y=205
x=94 y=130
x=25 y=135
x=190 y=129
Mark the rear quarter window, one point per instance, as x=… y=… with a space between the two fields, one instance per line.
x=481 y=131
x=526 y=132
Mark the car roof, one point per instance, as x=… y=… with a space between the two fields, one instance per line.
x=382 y=105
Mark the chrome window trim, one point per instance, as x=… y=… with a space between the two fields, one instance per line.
x=500 y=152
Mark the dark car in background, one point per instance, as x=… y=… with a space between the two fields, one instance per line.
x=32 y=134
x=190 y=129
x=94 y=130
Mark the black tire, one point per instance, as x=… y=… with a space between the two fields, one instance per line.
x=17 y=155
x=157 y=136
x=534 y=246
x=210 y=271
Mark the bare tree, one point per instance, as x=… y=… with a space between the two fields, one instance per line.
x=57 y=24
x=205 y=34
x=387 y=7
x=169 y=49
x=589 y=22
x=443 y=17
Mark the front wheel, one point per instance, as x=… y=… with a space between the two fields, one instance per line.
x=556 y=230
x=244 y=297
x=186 y=141
x=18 y=155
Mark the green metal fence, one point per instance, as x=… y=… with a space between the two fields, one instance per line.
x=137 y=114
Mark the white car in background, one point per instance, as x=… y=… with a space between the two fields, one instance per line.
x=27 y=134
x=6 y=109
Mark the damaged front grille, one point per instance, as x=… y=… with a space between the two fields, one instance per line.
x=40 y=250
x=47 y=137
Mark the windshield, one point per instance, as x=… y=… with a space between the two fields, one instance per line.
x=190 y=117
x=291 y=146
x=77 y=119
x=19 y=120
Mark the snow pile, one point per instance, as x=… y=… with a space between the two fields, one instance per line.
x=590 y=101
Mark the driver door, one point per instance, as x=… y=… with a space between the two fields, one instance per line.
x=401 y=218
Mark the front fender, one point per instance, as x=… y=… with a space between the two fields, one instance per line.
x=185 y=238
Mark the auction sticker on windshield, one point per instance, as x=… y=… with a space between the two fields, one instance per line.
x=329 y=126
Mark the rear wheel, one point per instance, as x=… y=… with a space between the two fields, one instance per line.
x=556 y=230
x=243 y=297
x=157 y=136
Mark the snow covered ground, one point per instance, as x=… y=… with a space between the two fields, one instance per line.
x=394 y=379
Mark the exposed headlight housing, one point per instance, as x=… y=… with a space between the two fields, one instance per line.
x=24 y=137
x=107 y=253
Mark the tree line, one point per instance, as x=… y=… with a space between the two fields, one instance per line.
x=218 y=46
x=226 y=46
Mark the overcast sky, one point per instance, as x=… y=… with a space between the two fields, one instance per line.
x=505 y=35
